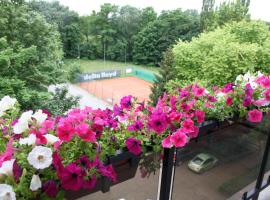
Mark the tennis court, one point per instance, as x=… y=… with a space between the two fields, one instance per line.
x=112 y=90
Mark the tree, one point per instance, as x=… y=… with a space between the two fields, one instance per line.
x=30 y=54
x=165 y=74
x=226 y=12
x=157 y=36
x=207 y=19
x=66 y=21
x=232 y=11
x=148 y=15
x=219 y=56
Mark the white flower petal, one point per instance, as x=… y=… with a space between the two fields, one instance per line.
x=51 y=139
x=30 y=140
x=7 y=103
x=26 y=116
x=7 y=168
x=19 y=127
x=40 y=116
x=6 y=192
x=35 y=183
x=40 y=157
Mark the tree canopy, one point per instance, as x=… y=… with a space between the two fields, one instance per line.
x=30 y=54
x=157 y=36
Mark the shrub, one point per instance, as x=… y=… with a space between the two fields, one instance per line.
x=220 y=55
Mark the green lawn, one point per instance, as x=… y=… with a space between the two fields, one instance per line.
x=98 y=65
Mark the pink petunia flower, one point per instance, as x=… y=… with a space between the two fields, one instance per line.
x=72 y=177
x=247 y=101
x=50 y=188
x=134 y=145
x=166 y=143
x=179 y=138
x=227 y=88
x=194 y=133
x=90 y=183
x=17 y=171
x=157 y=122
x=200 y=116
x=188 y=125
x=260 y=102
x=266 y=95
x=248 y=90
x=198 y=91
x=136 y=126
x=126 y=103
x=255 y=115
x=8 y=153
x=264 y=81
x=229 y=101
x=65 y=130
x=85 y=133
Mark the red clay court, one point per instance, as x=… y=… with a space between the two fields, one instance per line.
x=112 y=90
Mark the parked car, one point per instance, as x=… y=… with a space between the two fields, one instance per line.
x=202 y=162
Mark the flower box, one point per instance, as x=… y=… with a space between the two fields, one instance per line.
x=125 y=165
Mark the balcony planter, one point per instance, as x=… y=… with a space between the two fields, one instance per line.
x=125 y=165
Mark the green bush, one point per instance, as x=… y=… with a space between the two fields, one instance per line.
x=219 y=56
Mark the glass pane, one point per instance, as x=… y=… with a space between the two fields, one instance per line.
x=235 y=151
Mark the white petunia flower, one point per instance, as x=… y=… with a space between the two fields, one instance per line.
x=7 y=168
x=30 y=140
x=26 y=116
x=51 y=139
x=7 y=103
x=6 y=192
x=19 y=128
x=22 y=124
x=35 y=183
x=40 y=157
x=40 y=116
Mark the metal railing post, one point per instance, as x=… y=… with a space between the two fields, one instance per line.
x=167 y=174
x=262 y=169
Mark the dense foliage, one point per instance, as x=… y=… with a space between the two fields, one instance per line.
x=153 y=40
x=218 y=56
x=66 y=22
x=30 y=55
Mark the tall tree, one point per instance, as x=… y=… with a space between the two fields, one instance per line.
x=166 y=73
x=232 y=11
x=207 y=15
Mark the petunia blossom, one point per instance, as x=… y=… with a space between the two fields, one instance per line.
x=50 y=188
x=40 y=157
x=72 y=177
x=179 y=138
x=200 y=116
x=134 y=145
x=35 y=183
x=166 y=143
x=85 y=133
x=6 y=192
x=158 y=122
x=255 y=116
